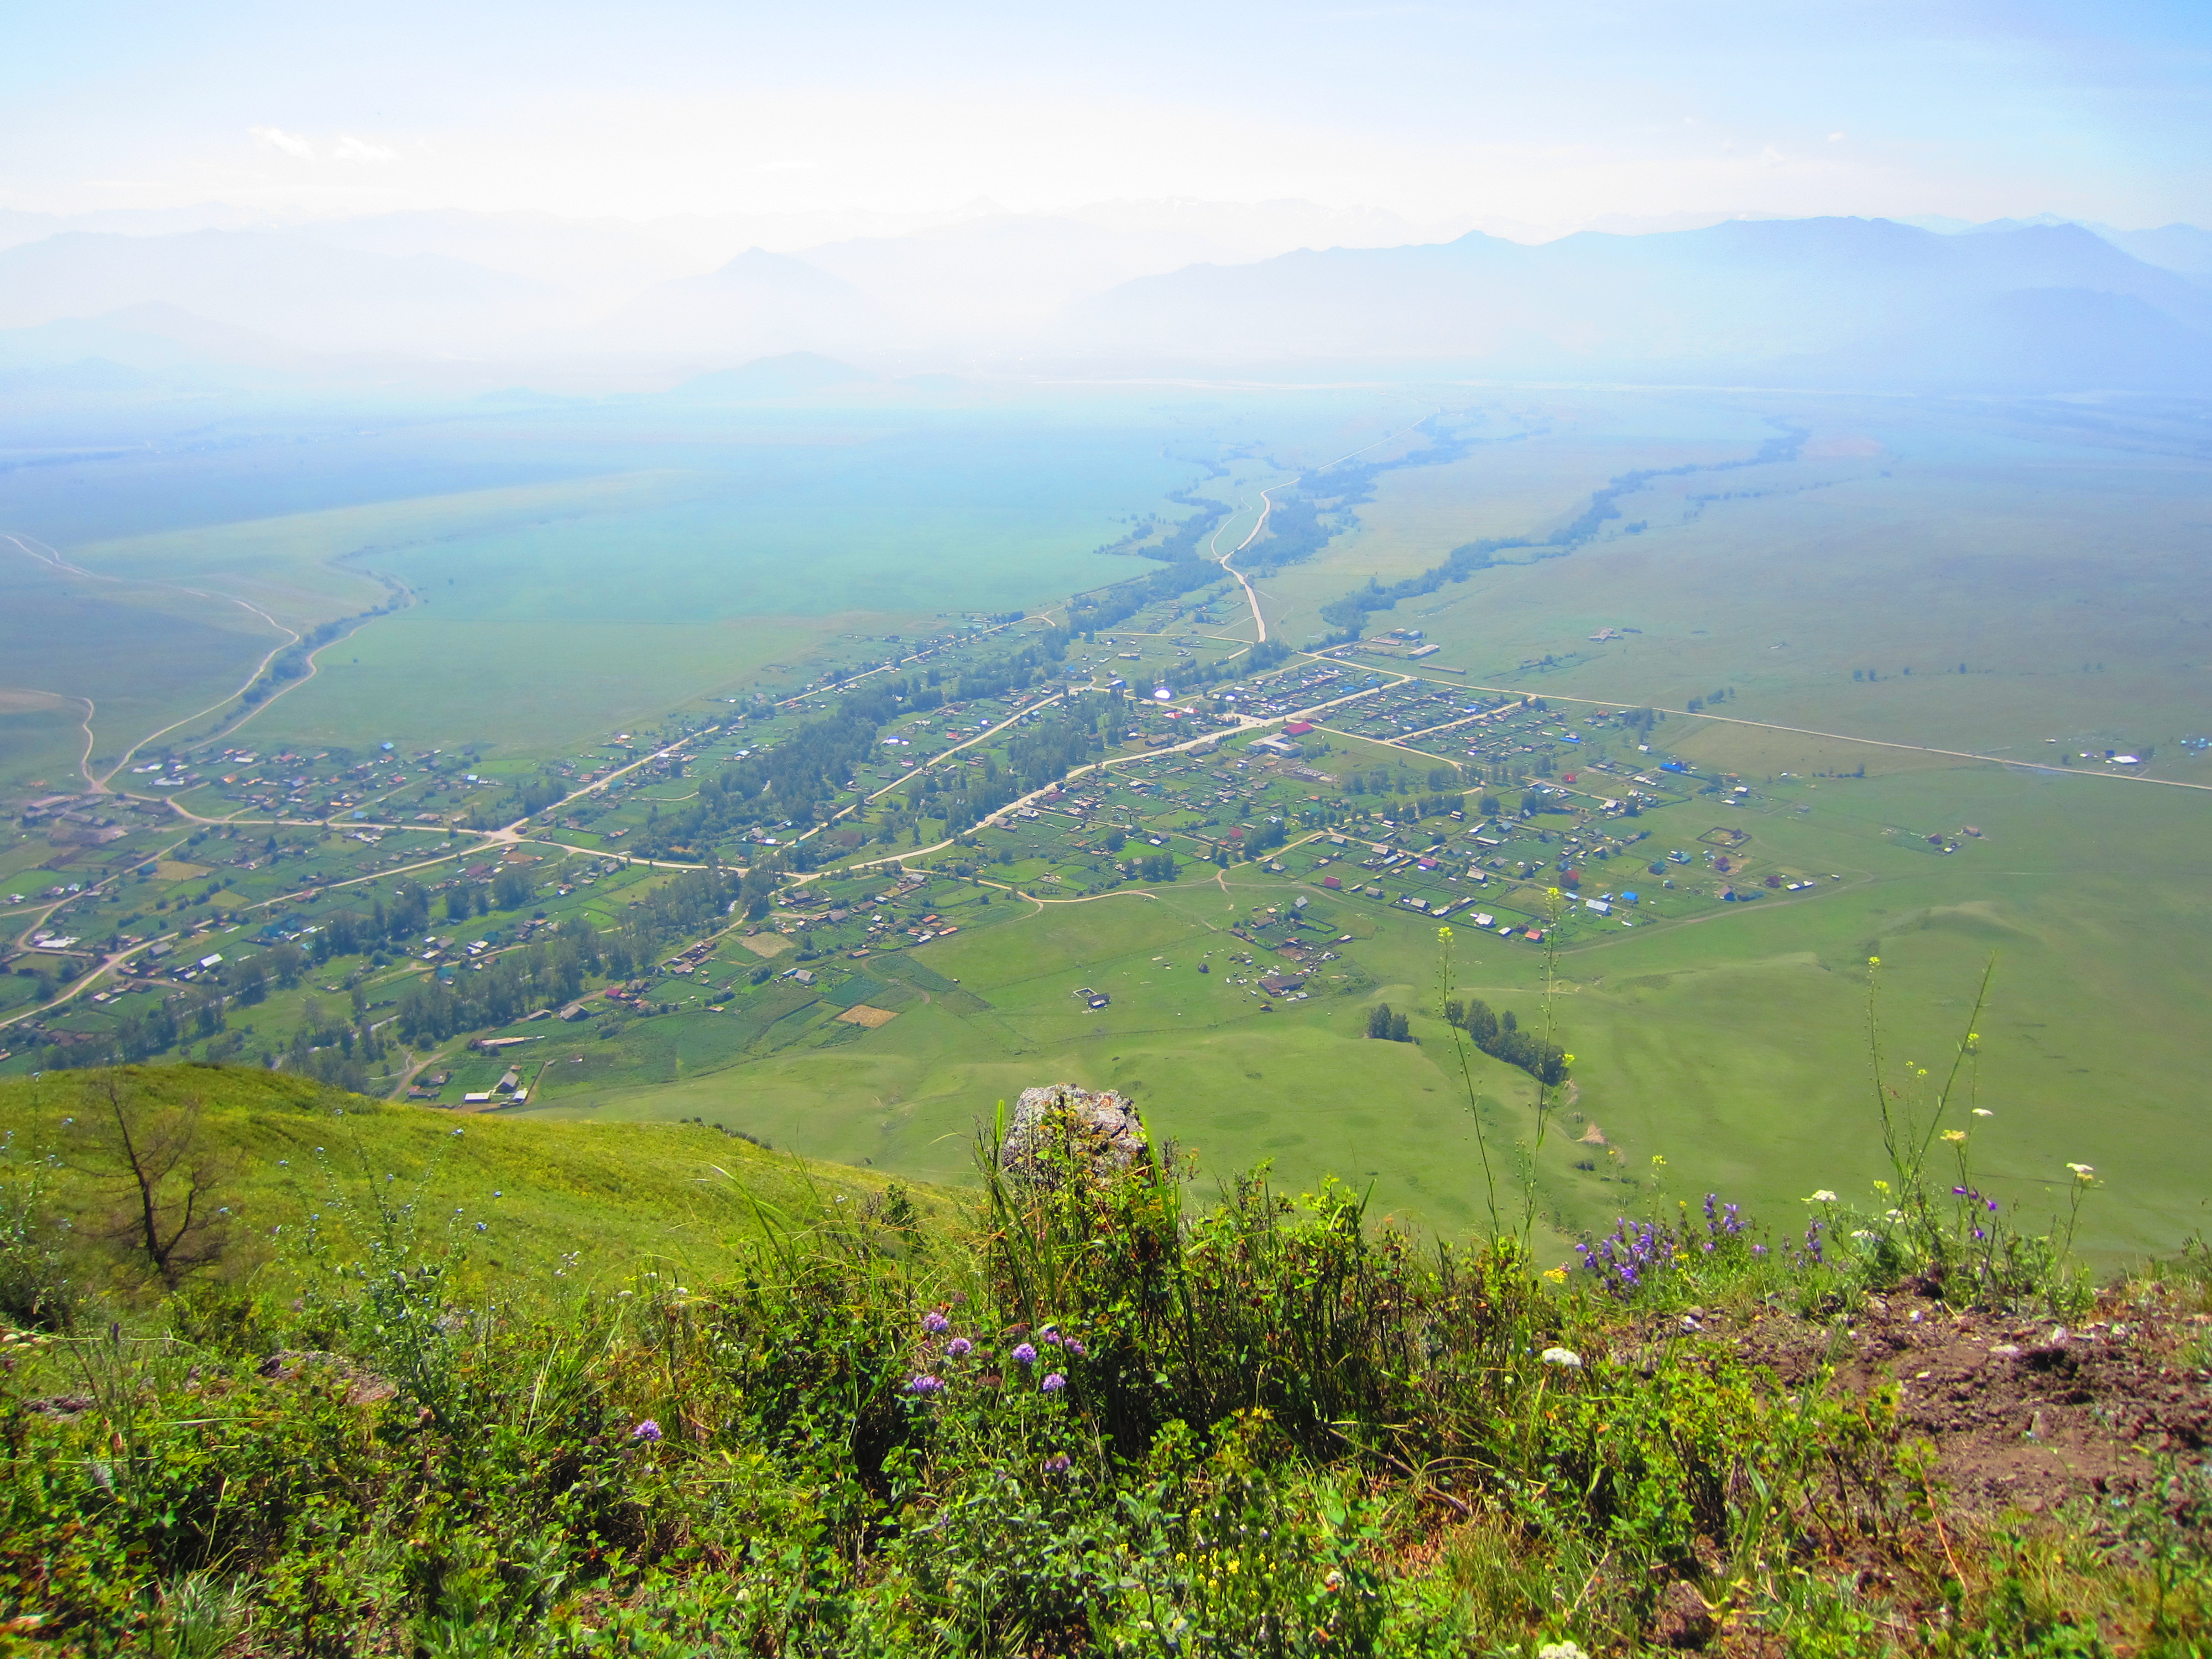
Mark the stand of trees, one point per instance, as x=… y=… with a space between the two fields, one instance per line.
x=793 y=781
x=1500 y=1037
x=1387 y=1027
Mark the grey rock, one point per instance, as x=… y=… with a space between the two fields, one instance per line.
x=1061 y=1127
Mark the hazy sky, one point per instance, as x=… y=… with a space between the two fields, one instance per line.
x=1544 y=114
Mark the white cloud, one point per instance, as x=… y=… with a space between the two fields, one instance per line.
x=351 y=149
x=290 y=143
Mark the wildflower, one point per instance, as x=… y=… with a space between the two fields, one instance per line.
x=1025 y=1355
x=1560 y=1651
x=934 y=1322
x=480 y=1226
x=1824 y=1196
x=1874 y=962
x=2082 y=1171
x=648 y=1432
x=1565 y=1358
x=958 y=1347
x=1954 y=1136
x=1053 y=1382
x=1050 y=1333
x=1073 y=1347
x=1059 y=1464
x=925 y=1385
x=1557 y=1275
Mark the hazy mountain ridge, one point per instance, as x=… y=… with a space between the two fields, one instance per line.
x=1115 y=287
x=1739 y=300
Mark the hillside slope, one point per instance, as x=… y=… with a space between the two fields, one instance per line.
x=526 y=1197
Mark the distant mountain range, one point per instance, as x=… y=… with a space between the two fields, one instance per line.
x=169 y=299
x=1858 y=302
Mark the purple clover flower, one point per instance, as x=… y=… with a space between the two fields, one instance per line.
x=935 y=1322
x=925 y=1385
x=648 y=1432
x=958 y=1347
x=1074 y=1347
x=1059 y=1464
x=1025 y=1355
x=1053 y=1382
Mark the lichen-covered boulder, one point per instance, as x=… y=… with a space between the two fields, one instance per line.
x=1060 y=1129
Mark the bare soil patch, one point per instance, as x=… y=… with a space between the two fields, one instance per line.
x=2024 y=1414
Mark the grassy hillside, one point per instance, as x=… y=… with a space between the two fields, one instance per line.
x=524 y=1199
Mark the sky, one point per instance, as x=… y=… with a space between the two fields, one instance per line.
x=1546 y=116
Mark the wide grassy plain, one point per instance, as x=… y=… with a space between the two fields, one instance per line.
x=2038 y=575
x=598 y=572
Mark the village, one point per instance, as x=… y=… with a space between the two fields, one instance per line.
x=1365 y=797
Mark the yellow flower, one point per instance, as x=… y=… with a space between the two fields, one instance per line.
x=1657 y=1162
x=1954 y=1135
x=1881 y=1186
x=2082 y=1171
x=1444 y=933
x=1554 y=891
x=1566 y=1059
x=1874 y=962
x=1557 y=1275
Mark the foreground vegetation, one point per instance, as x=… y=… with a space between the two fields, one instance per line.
x=1075 y=1415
